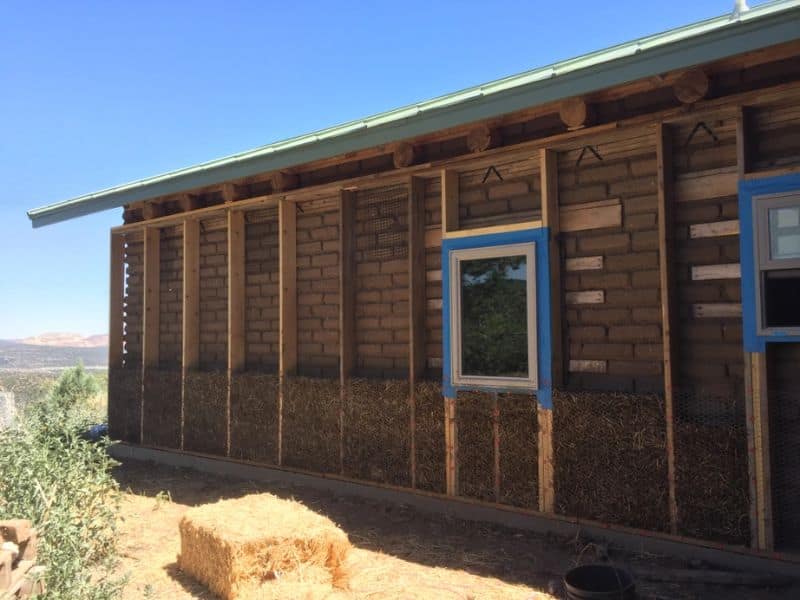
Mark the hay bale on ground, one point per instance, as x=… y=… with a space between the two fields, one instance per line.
x=610 y=458
x=162 y=408
x=254 y=417
x=377 y=436
x=205 y=412
x=255 y=543
x=311 y=424
x=519 y=462
x=125 y=403
x=429 y=436
x=474 y=414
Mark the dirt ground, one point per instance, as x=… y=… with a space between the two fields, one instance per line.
x=398 y=551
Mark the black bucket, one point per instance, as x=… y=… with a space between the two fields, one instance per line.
x=599 y=582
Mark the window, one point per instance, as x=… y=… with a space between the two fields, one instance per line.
x=777 y=262
x=493 y=316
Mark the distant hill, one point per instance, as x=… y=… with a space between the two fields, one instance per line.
x=37 y=353
x=67 y=340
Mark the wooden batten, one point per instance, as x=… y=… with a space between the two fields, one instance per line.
x=725 y=271
x=450 y=221
x=717 y=229
x=691 y=86
x=417 y=303
x=758 y=378
x=588 y=366
x=451 y=446
x=586 y=297
x=287 y=250
x=152 y=252
x=347 y=314
x=717 y=310
x=190 y=348
x=666 y=227
x=236 y=308
x=547 y=497
x=116 y=295
x=591 y=215
x=584 y=263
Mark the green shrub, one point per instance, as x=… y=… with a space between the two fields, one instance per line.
x=63 y=483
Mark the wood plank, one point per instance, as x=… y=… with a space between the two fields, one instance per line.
x=666 y=232
x=726 y=271
x=236 y=307
x=763 y=470
x=432 y=276
x=586 y=297
x=719 y=310
x=287 y=302
x=585 y=263
x=751 y=451
x=433 y=238
x=492 y=229
x=152 y=266
x=588 y=366
x=717 y=229
x=450 y=221
x=708 y=185
x=434 y=304
x=546 y=456
x=591 y=216
x=451 y=446
x=417 y=304
x=190 y=343
x=116 y=295
x=347 y=314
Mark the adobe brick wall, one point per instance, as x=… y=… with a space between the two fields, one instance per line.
x=433 y=281
x=318 y=289
x=213 y=295
x=134 y=301
x=262 y=280
x=170 y=304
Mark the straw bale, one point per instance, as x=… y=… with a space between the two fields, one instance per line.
x=429 y=436
x=610 y=458
x=519 y=466
x=124 y=403
x=205 y=412
x=475 y=445
x=255 y=543
x=711 y=484
x=254 y=417
x=311 y=424
x=162 y=408
x=377 y=435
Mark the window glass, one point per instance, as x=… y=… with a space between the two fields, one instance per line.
x=784 y=232
x=494 y=319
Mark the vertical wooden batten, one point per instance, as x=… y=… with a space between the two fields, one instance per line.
x=287 y=250
x=417 y=304
x=668 y=314
x=116 y=299
x=450 y=221
x=150 y=358
x=347 y=201
x=548 y=166
x=190 y=348
x=451 y=446
x=236 y=308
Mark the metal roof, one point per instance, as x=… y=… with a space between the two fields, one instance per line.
x=713 y=39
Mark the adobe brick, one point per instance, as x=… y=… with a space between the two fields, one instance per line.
x=634 y=367
x=645 y=278
x=696 y=252
x=325 y=310
x=590 y=333
x=646 y=314
x=645 y=240
x=604 y=280
x=696 y=212
x=583 y=193
x=508 y=190
x=642 y=166
x=635 y=297
x=611 y=243
x=604 y=316
x=324 y=260
x=602 y=351
x=372 y=310
x=634 y=333
x=633 y=186
x=637 y=222
x=331 y=272
x=496 y=207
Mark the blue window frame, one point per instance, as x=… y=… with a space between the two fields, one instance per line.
x=759 y=203
x=538 y=378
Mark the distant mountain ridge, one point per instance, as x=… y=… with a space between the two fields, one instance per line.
x=66 y=340
x=53 y=351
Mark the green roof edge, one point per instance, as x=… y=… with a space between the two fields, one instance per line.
x=706 y=41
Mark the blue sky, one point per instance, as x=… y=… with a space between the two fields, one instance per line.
x=93 y=94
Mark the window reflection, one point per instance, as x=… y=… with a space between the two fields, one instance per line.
x=494 y=320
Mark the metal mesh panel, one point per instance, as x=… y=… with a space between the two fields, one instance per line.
x=382 y=214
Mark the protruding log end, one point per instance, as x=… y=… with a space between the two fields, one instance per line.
x=575 y=113
x=283 y=180
x=483 y=138
x=403 y=155
x=691 y=86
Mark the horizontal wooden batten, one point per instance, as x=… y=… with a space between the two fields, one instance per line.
x=587 y=297
x=717 y=229
x=591 y=215
x=461 y=233
x=588 y=366
x=705 y=185
x=727 y=271
x=721 y=310
x=433 y=275
x=585 y=263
